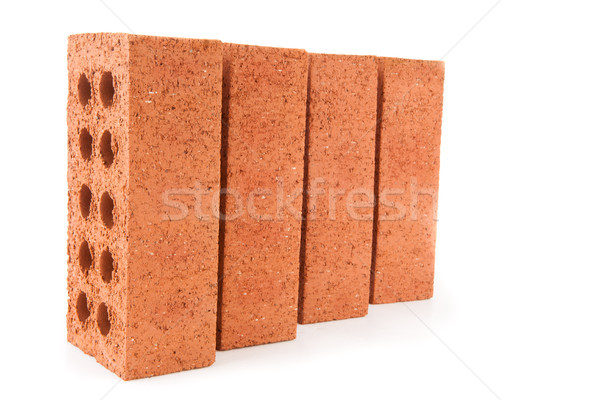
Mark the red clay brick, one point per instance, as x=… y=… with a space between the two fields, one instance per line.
x=264 y=105
x=142 y=288
x=410 y=108
x=336 y=257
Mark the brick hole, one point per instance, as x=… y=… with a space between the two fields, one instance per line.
x=102 y=319
x=106 y=151
x=85 y=201
x=85 y=144
x=83 y=312
x=106 y=266
x=84 y=90
x=85 y=257
x=107 y=206
x=107 y=89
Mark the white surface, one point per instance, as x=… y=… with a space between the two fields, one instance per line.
x=516 y=295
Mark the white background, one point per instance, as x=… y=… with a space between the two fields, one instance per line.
x=516 y=308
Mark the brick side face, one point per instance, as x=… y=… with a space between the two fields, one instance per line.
x=264 y=105
x=174 y=145
x=342 y=105
x=410 y=130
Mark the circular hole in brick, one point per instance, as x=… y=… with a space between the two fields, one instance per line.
x=107 y=206
x=85 y=257
x=107 y=89
x=84 y=90
x=102 y=319
x=83 y=312
x=106 y=151
x=85 y=200
x=85 y=144
x=107 y=265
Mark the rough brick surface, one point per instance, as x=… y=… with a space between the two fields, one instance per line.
x=143 y=300
x=341 y=121
x=264 y=109
x=410 y=108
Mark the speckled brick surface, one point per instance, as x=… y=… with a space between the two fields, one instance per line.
x=336 y=259
x=264 y=119
x=142 y=288
x=410 y=108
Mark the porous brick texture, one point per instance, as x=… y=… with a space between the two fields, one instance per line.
x=410 y=114
x=143 y=119
x=264 y=106
x=340 y=162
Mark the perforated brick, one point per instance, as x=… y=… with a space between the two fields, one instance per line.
x=143 y=119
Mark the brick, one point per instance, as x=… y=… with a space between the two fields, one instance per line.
x=410 y=108
x=340 y=163
x=142 y=287
x=264 y=106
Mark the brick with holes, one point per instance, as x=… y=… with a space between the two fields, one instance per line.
x=410 y=114
x=336 y=251
x=144 y=125
x=264 y=107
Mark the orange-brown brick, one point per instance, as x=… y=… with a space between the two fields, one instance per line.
x=264 y=105
x=341 y=121
x=143 y=119
x=410 y=113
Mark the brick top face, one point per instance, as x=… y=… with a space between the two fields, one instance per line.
x=98 y=254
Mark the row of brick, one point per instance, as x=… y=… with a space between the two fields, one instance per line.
x=254 y=188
